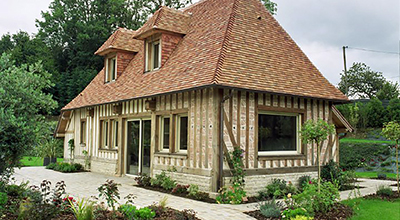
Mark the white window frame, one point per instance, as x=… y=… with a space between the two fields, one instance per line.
x=161 y=148
x=298 y=139
x=109 y=77
x=178 y=134
x=149 y=65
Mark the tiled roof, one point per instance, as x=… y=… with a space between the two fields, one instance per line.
x=121 y=39
x=165 y=19
x=232 y=43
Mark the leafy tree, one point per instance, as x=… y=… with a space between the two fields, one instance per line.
x=393 y=110
x=316 y=132
x=391 y=131
x=22 y=105
x=375 y=113
x=6 y=44
x=388 y=91
x=361 y=81
x=271 y=6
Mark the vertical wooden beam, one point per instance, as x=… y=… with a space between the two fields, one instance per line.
x=201 y=130
x=217 y=97
x=247 y=128
x=121 y=146
x=256 y=132
x=154 y=140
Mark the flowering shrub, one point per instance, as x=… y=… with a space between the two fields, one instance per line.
x=234 y=194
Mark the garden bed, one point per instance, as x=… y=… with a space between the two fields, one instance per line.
x=338 y=212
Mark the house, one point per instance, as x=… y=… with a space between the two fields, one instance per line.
x=181 y=91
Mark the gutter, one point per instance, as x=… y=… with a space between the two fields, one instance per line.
x=221 y=138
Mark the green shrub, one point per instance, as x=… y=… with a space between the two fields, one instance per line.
x=293 y=213
x=270 y=209
x=168 y=183
x=313 y=201
x=303 y=180
x=277 y=189
x=65 y=167
x=333 y=173
x=110 y=192
x=231 y=195
x=159 y=179
x=384 y=191
x=3 y=200
x=193 y=189
x=302 y=217
x=354 y=155
x=144 y=214
x=128 y=210
x=16 y=190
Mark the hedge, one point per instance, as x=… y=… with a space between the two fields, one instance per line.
x=354 y=155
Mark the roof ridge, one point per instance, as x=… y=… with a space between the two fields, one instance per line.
x=159 y=13
x=225 y=43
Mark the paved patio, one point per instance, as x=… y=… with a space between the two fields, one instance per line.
x=85 y=185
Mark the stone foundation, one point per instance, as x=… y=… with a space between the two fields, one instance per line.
x=204 y=182
x=106 y=166
x=258 y=182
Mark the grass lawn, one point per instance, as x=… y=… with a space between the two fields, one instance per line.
x=372 y=209
x=34 y=161
x=373 y=175
x=354 y=140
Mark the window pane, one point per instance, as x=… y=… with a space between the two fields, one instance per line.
x=183 y=133
x=276 y=133
x=166 y=133
x=156 y=51
x=113 y=69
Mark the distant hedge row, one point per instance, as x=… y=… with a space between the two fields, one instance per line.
x=354 y=155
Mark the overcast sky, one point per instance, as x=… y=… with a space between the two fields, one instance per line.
x=319 y=27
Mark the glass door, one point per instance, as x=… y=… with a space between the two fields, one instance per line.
x=138 y=147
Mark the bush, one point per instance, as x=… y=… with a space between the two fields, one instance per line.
x=355 y=155
x=313 y=201
x=159 y=179
x=3 y=200
x=143 y=180
x=65 y=167
x=293 y=213
x=168 y=183
x=270 y=209
x=333 y=173
x=384 y=191
x=303 y=180
x=131 y=213
x=231 y=195
x=83 y=209
x=194 y=193
x=277 y=189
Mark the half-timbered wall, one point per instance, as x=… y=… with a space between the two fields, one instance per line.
x=241 y=129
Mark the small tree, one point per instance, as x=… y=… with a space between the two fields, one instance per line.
x=391 y=131
x=316 y=132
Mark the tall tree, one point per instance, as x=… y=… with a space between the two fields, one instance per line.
x=22 y=105
x=361 y=81
x=271 y=6
x=388 y=91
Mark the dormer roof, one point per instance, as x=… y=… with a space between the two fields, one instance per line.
x=165 y=20
x=121 y=39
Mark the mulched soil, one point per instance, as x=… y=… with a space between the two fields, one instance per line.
x=185 y=195
x=395 y=196
x=338 y=212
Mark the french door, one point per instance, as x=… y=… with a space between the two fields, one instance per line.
x=138 y=146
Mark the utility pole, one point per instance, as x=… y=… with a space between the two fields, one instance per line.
x=345 y=68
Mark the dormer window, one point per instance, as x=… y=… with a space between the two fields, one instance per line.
x=111 y=69
x=153 y=55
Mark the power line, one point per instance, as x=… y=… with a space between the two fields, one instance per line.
x=374 y=51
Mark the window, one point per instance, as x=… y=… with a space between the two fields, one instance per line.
x=83 y=132
x=165 y=132
x=278 y=133
x=114 y=132
x=153 y=55
x=111 y=69
x=182 y=133
x=104 y=134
